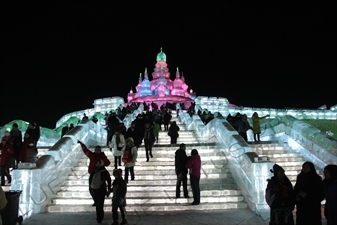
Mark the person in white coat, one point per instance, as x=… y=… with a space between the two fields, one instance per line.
x=118 y=145
x=130 y=158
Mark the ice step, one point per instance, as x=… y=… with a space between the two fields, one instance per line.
x=161 y=160
x=154 y=172
x=163 y=182
x=277 y=155
x=150 y=200
x=265 y=148
x=151 y=208
x=166 y=193
x=156 y=186
x=285 y=164
x=167 y=169
x=293 y=159
x=73 y=180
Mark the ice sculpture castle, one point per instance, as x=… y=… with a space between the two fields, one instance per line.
x=161 y=88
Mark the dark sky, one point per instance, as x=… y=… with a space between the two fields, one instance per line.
x=58 y=57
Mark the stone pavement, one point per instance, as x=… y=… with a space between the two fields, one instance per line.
x=228 y=217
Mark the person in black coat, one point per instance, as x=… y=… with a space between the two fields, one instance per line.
x=134 y=132
x=330 y=191
x=309 y=193
x=100 y=191
x=149 y=140
x=181 y=170
x=173 y=132
x=280 y=197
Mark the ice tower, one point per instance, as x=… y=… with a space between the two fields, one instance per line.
x=161 y=88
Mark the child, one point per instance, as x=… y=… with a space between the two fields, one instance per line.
x=100 y=181
x=118 y=198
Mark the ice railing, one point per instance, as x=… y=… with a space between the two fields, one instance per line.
x=102 y=105
x=48 y=137
x=250 y=175
x=312 y=144
x=221 y=105
x=41 y=181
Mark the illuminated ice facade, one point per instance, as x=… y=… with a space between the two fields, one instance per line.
x=161 y=88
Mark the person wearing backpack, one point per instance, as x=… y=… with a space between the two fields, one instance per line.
x=119 y=188
x=101 y=186
x=93 y=157
x=129 y=158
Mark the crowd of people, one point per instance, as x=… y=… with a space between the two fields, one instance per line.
x=100 y=184
x=307 y=194
x=280 y=194
x=15 y=149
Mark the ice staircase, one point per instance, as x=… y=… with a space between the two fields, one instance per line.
x=153 y=189
x=290 y=161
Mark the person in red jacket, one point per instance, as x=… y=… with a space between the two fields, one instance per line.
x=28 y=151
x=7 y=151
x=94 y=157
x=194 y=165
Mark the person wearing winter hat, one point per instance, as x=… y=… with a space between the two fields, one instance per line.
x=330 y=192
x=280 y=197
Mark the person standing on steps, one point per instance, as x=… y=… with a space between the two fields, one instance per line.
x=181 y=170
x=101 y=186
x=93 y=157
x=130 y=158
x=118 y=145
x=256 y=126
x=173 y=132
x=119 y=189
x=194 y=165
x=149 y=140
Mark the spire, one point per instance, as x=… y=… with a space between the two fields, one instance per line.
x=177 y=73
x=145 y=74
x=140 y=77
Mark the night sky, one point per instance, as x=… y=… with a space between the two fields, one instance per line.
x=58 y=57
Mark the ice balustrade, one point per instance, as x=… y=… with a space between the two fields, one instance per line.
x=100 y=106
x=44 y=178
x=249 y=175
x=319 y=144
x=303 y=138
x=222 y=106
x=48 y=137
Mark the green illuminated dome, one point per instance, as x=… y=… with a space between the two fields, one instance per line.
x=161 y=56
